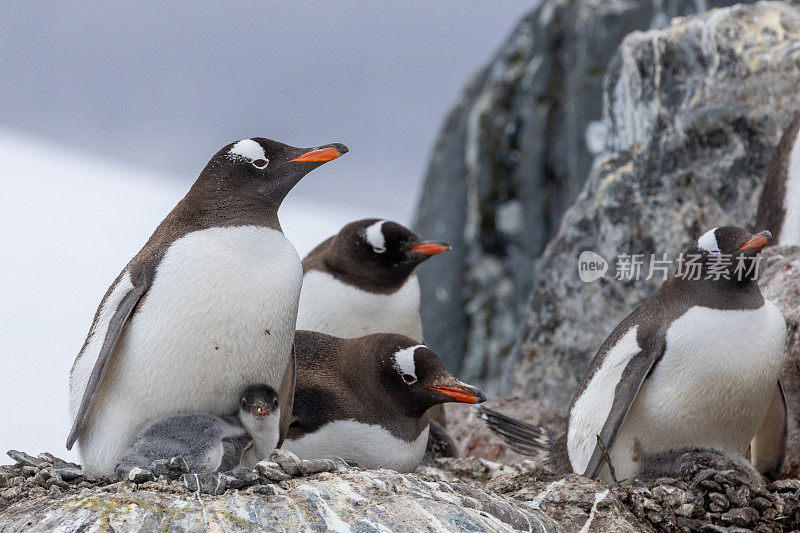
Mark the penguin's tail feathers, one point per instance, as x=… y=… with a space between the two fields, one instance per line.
x=524 y=438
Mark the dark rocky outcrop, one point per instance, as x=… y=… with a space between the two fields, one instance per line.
x=692 y=114
x=516 y=150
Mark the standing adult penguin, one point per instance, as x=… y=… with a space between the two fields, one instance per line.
x=207 y=307
x=362 y=281
x=779 y=204
x=697 y=365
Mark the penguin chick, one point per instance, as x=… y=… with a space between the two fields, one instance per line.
x=211 y=443
x=259 y=415
x=362 y=281
x=696 y=365
x=367 y=399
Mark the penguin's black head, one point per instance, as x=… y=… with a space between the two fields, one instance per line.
x=727 y=249
x=266 y=168
x=386 y=249
x=415 y=374
x=258 y=400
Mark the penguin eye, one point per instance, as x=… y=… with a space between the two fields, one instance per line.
x=409 y=379
x=261 y=163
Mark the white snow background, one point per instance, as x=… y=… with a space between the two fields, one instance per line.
x=69 y=222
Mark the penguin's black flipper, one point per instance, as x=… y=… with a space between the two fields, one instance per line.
x=768 y=447
x=116 y=325
x=286 y=396
x=628 y=387
x=522 y=437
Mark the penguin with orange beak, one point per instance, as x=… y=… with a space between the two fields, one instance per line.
x=367 y=399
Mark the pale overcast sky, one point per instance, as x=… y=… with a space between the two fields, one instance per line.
x=166 y=84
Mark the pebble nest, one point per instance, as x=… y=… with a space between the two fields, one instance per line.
x=46 y=474
x=715 y=501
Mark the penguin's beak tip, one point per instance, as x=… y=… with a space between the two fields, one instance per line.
x=430 y=248
x=757 y=241
x=462 y=393
x=323 y=154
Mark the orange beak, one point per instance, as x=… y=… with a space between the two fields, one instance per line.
x=260 y=410
x=329 y=153
x=463 y=393
x=430 y=248
x=759 y=240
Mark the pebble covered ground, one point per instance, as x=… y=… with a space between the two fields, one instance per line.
x=708 y=500
x=46 y=474
x=715 y=501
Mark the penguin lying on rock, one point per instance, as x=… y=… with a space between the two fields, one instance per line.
x=366 y=399
x=205 y=308
x=697 y=365
x=211 y=443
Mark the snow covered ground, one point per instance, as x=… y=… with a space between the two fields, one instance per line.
x=69 y=222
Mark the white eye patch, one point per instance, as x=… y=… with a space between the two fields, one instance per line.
x=404 y=362
x=250 y=151
x=374 y=236
x=708 y=241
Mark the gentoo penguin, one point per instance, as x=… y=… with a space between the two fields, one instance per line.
x=210 y=443
x=207 y=307
x=779 y=205
x=362 y=281
x=697 y=365
x=366 y=399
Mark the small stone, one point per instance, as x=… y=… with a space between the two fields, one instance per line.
x=29 y=471
x=264 y=489
x=171 y=469
x=686 y=510
x=761 y=503
x=784 y=485
x=714 y=508
x=719 y=500
x=710 y=484
x=140 y=475
x=272 y=473
x=287 y=460
x=315 y=466
x=233 y=482
x=68 y=473
x=56 y=462
x=54 y=491
x=245 y=474
x=740 y=516
x=41 y=478
x=769 y=514
x=23 y=458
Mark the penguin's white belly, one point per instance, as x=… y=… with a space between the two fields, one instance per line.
x=712 y=387
x=329 y=306
x=369 y=446
x=219 y=316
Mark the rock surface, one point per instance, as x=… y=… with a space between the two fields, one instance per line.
x=514 y=153
x=452 y=495
x=693 y=113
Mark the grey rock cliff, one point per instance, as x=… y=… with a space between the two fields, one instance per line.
x=692 y=114
x=512 y=155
